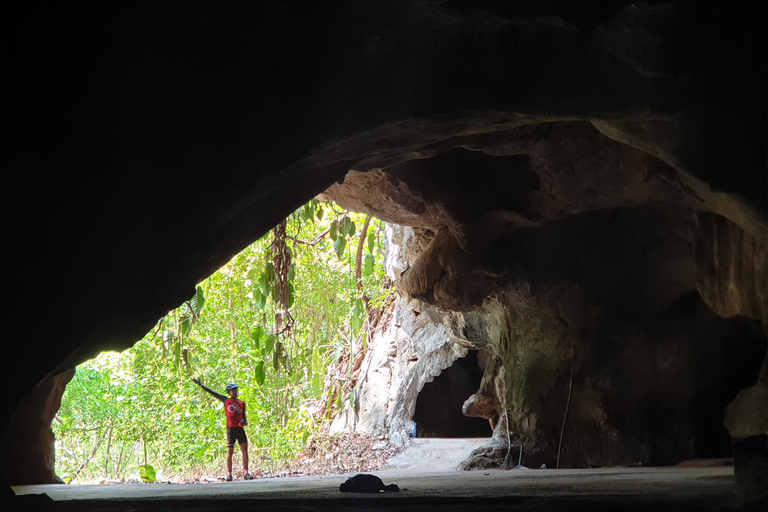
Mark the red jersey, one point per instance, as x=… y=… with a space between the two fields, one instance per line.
x=233 y=408
x=235 y=411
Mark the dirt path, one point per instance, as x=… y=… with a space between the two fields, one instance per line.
x=429 y=481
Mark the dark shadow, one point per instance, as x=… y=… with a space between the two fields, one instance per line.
x=438 y=407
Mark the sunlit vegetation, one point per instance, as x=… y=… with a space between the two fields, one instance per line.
x=283 y=319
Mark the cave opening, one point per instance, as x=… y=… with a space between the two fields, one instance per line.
x=438 y=406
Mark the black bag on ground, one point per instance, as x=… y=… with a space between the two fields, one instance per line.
x=363 y=482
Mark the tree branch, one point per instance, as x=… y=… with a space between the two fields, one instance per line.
x=320 y=236
x=86 y=461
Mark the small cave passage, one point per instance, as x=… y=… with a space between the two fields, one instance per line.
x=438 y=406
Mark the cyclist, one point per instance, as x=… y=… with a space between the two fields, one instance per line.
x=235 y=412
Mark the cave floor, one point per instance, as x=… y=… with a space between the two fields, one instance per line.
x=428 y=481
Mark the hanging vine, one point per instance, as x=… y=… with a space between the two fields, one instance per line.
x=280 y=272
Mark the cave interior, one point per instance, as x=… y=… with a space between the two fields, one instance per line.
x=593 y=179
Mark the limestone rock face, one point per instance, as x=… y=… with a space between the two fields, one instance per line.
x=412 y=349
x=747 y=415
x=731 y=268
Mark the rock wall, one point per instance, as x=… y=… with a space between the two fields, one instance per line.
x=409 y=350
x=599 y=354
x=30 y=435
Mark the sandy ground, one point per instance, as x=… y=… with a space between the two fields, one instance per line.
x=428 y=480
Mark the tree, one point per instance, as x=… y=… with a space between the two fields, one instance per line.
x=273 y=319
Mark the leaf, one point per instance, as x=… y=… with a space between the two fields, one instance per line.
x=269 y=344
x=256 y=335
x=292 y=272
x=320 y=213
x=186 y=325
x=265 y=284
x=148 y=473
x=368 y=265
x=269 y=272
x=351 y=228
x=197 y=301
x=356 y=322
x=339 y=245
x=260 y=373
x=345 y=226
x=371 y=241
x=334 y=230
x=357 y=307
x=318 y=373
x=259 y=299
x=317 y=384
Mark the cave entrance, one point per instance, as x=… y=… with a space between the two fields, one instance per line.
x=438 y=406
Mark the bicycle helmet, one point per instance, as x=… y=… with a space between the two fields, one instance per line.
x=231 y=386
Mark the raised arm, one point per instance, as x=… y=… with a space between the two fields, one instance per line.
x=220 y=397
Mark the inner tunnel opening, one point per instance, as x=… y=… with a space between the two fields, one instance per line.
x=438 y=406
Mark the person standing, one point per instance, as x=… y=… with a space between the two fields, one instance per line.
x=236 y=420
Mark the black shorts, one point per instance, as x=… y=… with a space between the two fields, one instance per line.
x=236 y=434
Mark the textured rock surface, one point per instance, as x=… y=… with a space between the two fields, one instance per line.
x=30 y=435
x=604 y=367
x=560 y=120
x=410 y=350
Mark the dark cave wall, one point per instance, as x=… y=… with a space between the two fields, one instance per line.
x=672 y=376
x=653 y=366
x=130 y=117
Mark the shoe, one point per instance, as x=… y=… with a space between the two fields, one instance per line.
x=248 y=476
x=229 y=478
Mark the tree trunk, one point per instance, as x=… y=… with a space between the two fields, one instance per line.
x=359 y=258
x=96 y=446
x=106 y=459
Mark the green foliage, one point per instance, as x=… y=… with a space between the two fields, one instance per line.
x=272 y=319
x=148 y=473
